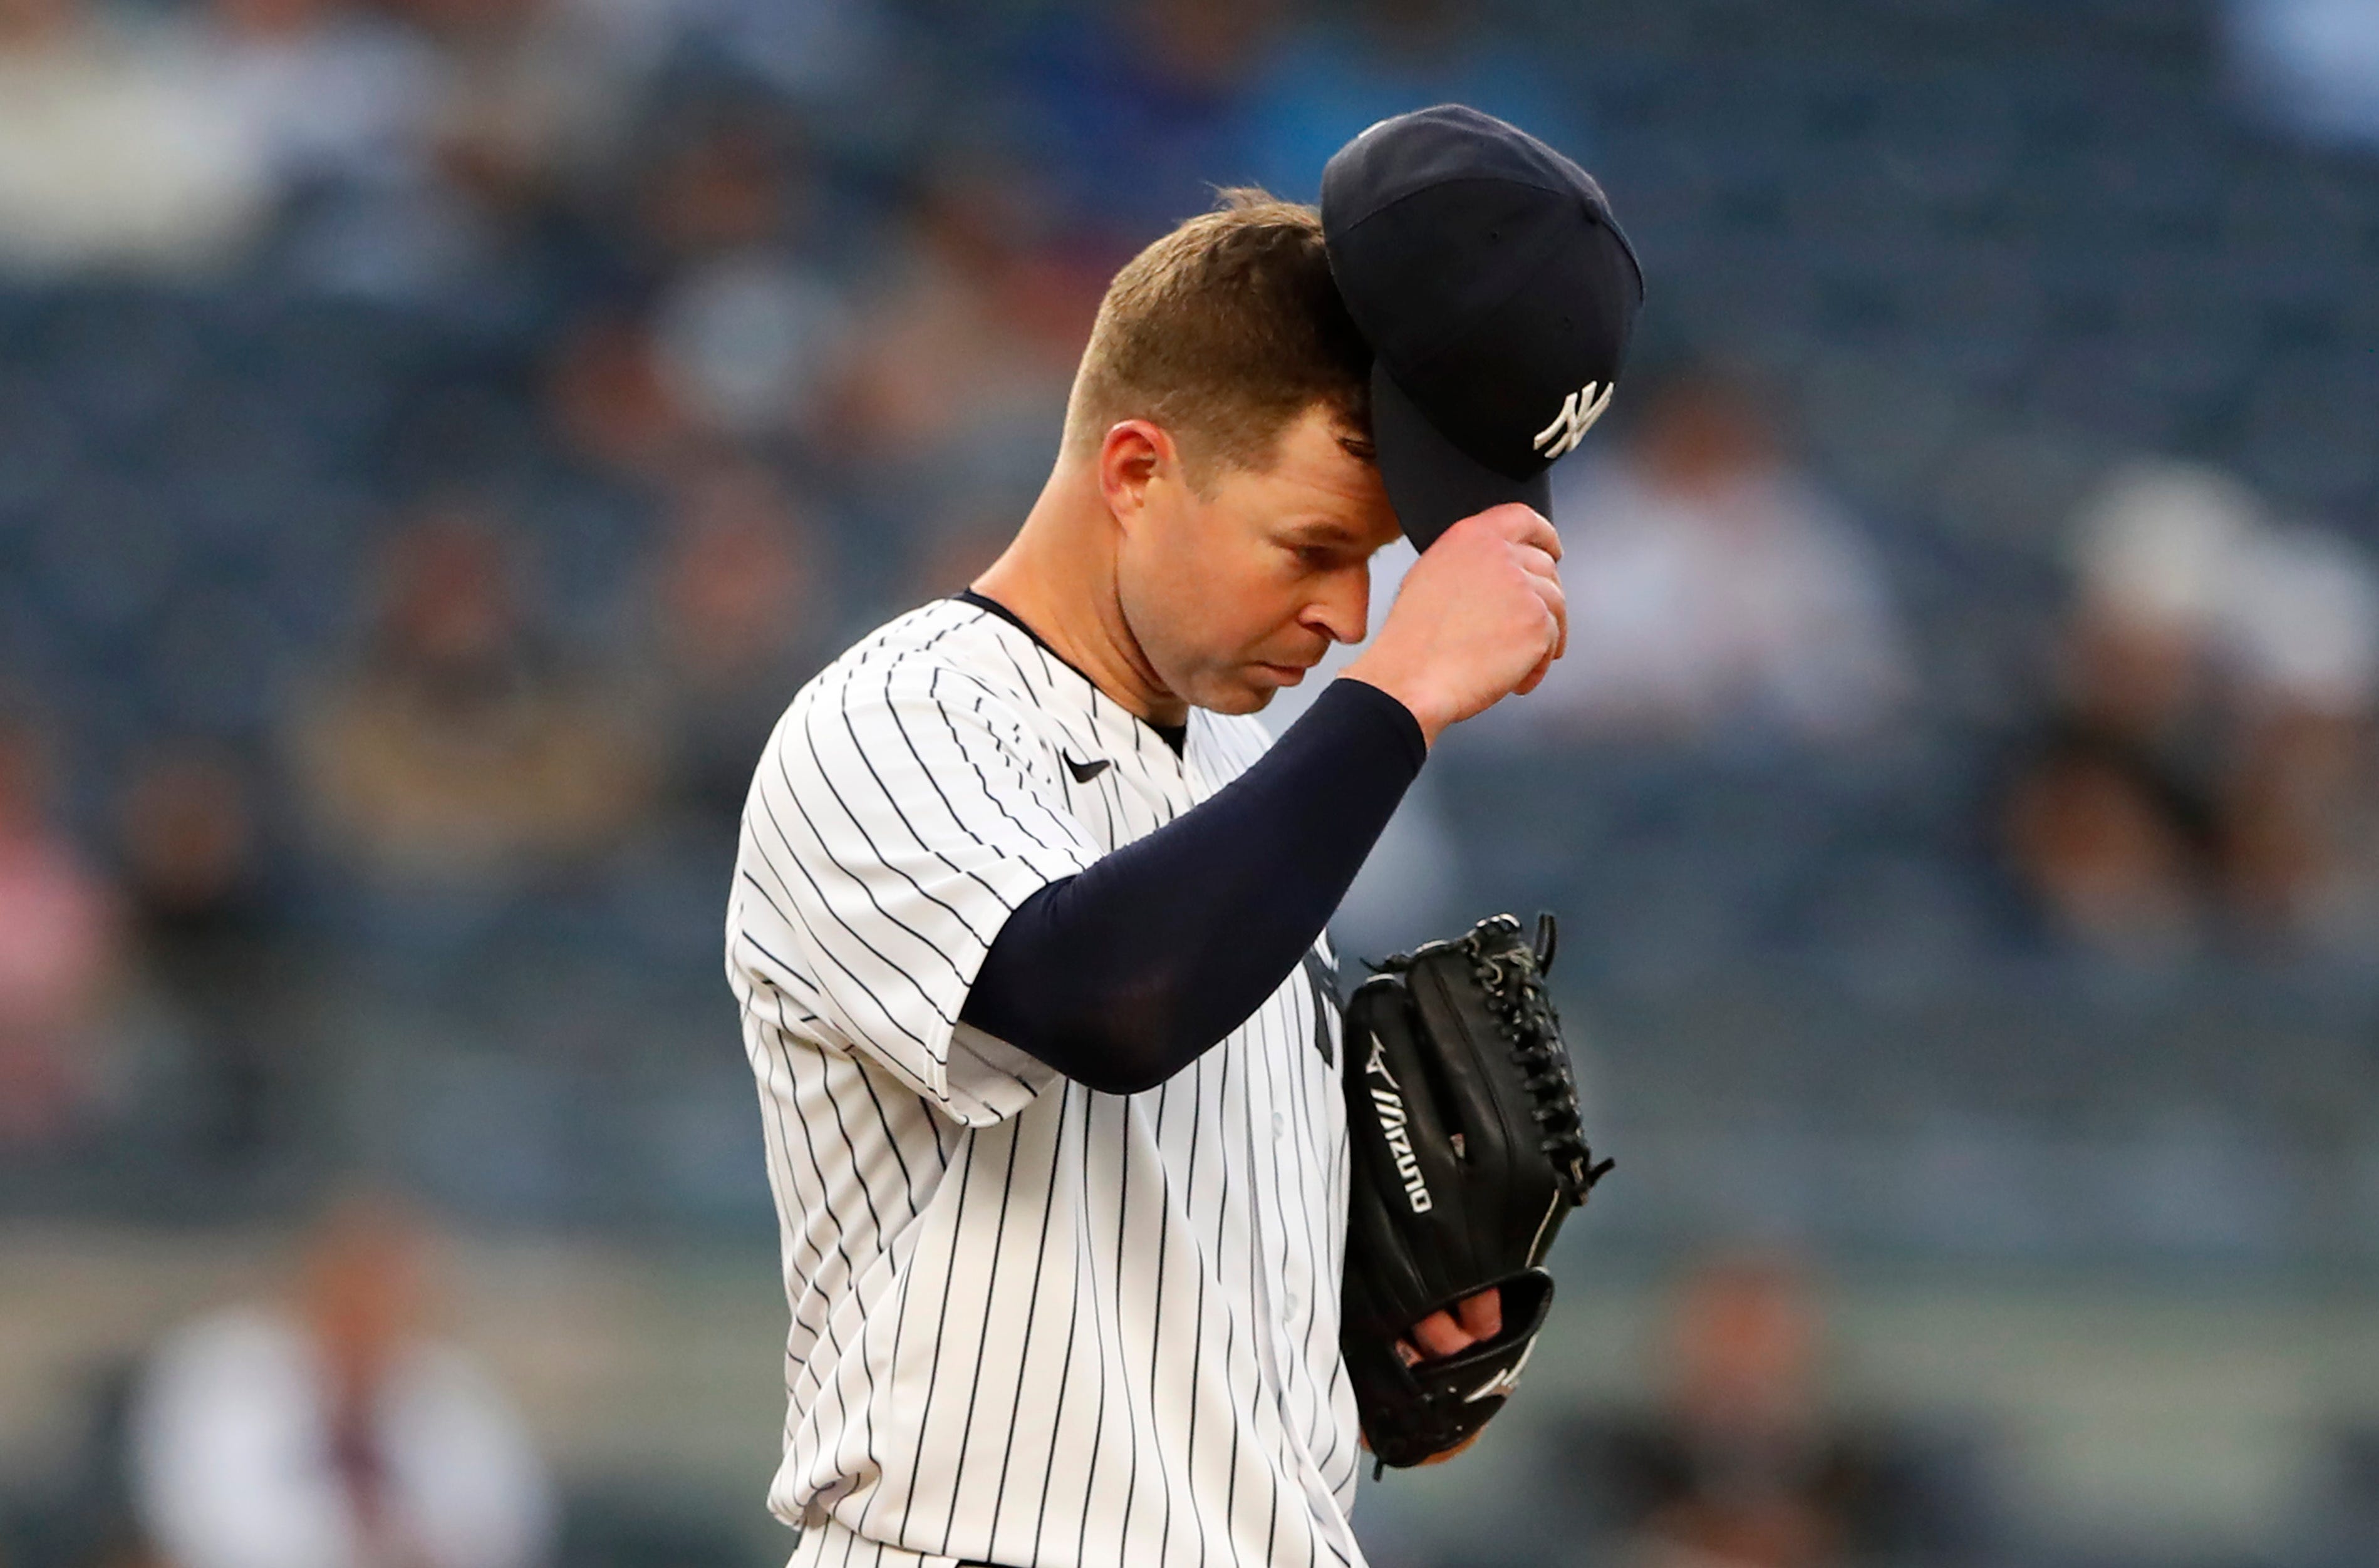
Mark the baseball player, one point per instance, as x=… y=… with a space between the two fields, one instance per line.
x=1028 y=918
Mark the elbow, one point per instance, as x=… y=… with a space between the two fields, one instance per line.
x=1123 y=1061
x=1115 y=1067
x=1115 y=1039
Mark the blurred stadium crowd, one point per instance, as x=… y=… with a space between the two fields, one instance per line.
x=437 y=437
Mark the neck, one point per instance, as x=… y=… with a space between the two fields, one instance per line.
x=1059 y=576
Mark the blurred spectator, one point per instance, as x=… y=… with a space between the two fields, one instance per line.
x=966 y=349
x=334 y=95
x=2117 y=855
x=2114 y=825
x=2300 y=793
x=743 y=607
x=737 y=338
x=118 y=148
x=206 y=937
x=1747 y=1464
x=2311 y=65
x=747 y=331
x=1714 y=591
x=339 y=103
x=334 y=1429
x=429 y=138
x=2210 y=761
x=462 y=752
x=532 y=93
x=610 y=400
x=59 y=937
x=1352 y=67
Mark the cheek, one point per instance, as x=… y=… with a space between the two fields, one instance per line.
x=1159 y=588
x=1198 y=589
x=1180 y=557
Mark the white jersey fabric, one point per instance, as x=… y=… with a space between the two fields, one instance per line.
x=1033 y=1324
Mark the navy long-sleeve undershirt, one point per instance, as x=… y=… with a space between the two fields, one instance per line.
x=1124 y=974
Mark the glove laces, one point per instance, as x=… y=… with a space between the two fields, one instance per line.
x=1512 y=975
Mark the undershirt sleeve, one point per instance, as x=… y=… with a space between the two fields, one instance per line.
x=1123 y=974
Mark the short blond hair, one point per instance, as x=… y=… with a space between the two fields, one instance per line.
x=1223 y=332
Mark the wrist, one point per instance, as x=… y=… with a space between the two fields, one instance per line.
x=1411 y=693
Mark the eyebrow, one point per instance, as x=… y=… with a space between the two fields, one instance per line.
x=1324 y=531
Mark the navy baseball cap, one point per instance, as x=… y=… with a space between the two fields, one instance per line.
x=1498 y=295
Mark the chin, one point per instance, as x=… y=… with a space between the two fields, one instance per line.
x=1234 y=696
x=1244 y=699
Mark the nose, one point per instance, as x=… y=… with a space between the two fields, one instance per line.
x=1341 y=610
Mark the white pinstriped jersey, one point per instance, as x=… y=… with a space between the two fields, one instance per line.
x=1033 y=1324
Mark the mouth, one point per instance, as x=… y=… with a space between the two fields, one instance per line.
x=1285 y=674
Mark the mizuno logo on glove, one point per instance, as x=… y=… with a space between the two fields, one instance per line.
x=1390 y=1107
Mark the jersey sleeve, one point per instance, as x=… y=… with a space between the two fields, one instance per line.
x=895 y=822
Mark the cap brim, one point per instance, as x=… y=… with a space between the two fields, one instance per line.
x=1432 y=483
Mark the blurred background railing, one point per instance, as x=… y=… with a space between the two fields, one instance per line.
x=437 y=436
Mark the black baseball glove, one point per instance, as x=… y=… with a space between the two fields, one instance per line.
x=1462 y=1116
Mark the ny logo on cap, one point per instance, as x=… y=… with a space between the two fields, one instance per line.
x=1579 y=413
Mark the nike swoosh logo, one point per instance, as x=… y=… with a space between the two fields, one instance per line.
x=1506 y=1383
x=1086 y=771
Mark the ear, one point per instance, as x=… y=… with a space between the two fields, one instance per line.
x=1134 y=456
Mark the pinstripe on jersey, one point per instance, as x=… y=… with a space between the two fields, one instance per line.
x=1032 y=1324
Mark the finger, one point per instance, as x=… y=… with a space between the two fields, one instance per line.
x=1438 y=1335
x=1545 y=667
x=1554 y=641
x=1466 y=1443
x=1540 y=532
x=1524 y=525
x=1537 y=561
x=1556 y=604
x=1482 y=1314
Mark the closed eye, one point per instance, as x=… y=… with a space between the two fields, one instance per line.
x=1327 y=558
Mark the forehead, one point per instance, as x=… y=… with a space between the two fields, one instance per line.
x=1319 y=489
